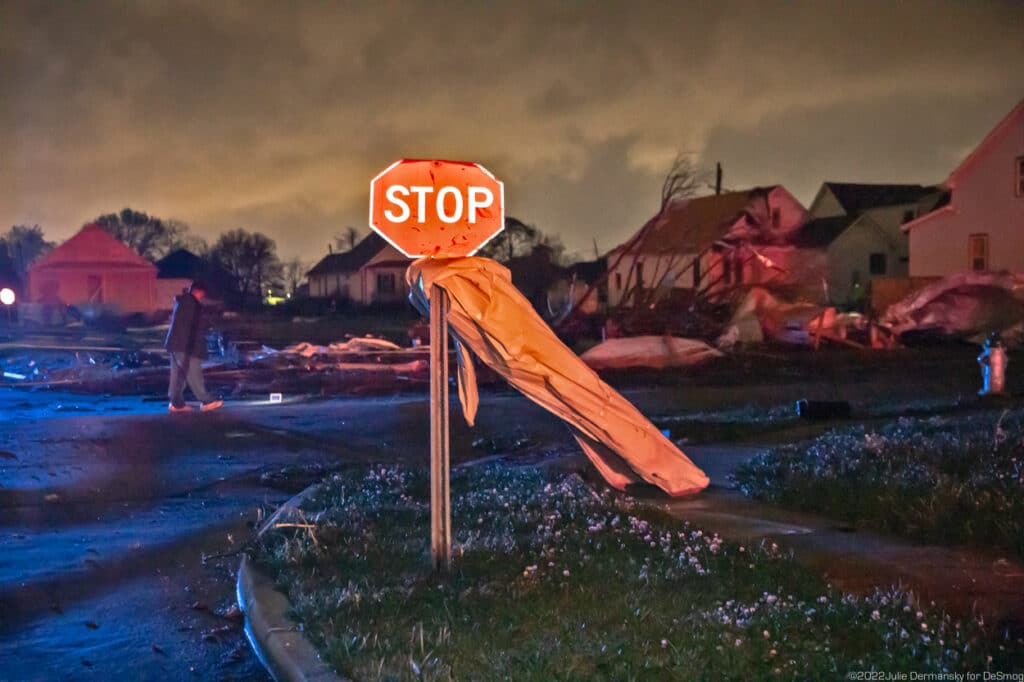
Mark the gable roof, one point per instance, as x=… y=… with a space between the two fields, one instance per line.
x=858 y=197
x=692 y=225
x=93 y=246
x=351 y=260
x=180 y=264
x=1016 y=113
x=820 y=232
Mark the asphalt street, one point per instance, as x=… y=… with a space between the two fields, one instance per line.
x=120 y=525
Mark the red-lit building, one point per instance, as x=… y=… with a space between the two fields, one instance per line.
x=96 y=273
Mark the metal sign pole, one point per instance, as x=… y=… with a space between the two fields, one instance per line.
x=440 y=511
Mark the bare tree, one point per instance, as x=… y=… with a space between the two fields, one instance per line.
x=519 y=239
x=682 y=182
x=294 y=272
x=147 y=235
x=251 y=259
x=183 y=239
x=347 y=240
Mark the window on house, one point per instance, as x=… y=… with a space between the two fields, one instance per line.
x=977 y=252
x=726 y=271
x=776 y=217
x=876 y=264
x=696 y=272
x=618 y=281
x=739 y=271
x=385 y=282
x=1020 y=176
x=909 y=215
x=639 y=275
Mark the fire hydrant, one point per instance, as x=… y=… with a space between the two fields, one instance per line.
x=993 y=363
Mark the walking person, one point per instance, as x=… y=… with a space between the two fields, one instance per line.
x=186 y=343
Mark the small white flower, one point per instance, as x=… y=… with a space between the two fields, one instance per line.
x=664 y=643
x=875 y=615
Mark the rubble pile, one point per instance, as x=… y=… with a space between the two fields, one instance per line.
x=355 y=366
x=966 y=305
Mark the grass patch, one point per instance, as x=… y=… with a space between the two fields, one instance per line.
x=951 y=480
x=555 y=581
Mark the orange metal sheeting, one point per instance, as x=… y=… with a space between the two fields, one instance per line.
x=493 y=319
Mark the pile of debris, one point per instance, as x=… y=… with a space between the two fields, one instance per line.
x=968 y=305
x=355 y=366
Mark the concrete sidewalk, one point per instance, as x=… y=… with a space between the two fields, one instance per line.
x=959 y=579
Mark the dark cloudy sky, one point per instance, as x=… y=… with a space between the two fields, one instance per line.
x=274 y=117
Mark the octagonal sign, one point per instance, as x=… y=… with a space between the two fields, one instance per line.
x=446 y=209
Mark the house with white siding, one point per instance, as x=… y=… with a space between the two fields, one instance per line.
x=371 y=272
x=858 y=227
x=980 y=224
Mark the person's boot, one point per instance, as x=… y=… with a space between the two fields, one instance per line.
x=184 y=407
x=211 y=406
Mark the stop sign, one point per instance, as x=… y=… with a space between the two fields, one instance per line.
x=447 y=209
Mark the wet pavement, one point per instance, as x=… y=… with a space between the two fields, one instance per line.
x=120 y=525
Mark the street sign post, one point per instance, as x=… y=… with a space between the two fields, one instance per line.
x=441 y=209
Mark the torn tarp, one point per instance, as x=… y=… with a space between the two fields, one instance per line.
x=649 y=351
x=492 y=318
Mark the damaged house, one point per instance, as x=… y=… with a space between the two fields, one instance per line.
x=713 y=246
x=858 y=228
x=372 y=272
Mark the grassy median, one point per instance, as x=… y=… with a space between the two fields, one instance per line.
x=951 y=479
x=555 y=580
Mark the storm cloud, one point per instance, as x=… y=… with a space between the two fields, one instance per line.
x=274 y=116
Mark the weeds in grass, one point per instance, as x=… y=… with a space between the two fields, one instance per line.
x=556 y=581
x=952 y=480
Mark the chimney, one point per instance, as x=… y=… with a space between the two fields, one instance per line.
x=718 y=178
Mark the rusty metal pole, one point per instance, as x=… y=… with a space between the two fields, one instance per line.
x=440 y=511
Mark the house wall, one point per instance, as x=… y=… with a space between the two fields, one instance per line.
x=166 y=289
x=670 y=270
x=333 y=285
x=849 y=255
x=368 y=291
x=124 y=290
x=984 y=201
x=825 y=204
x=792 y=215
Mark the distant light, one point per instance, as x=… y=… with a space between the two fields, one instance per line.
x=7 y=296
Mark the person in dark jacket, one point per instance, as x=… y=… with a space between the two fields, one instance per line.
x=186 y=343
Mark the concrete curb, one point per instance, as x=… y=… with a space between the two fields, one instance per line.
x=278 y=640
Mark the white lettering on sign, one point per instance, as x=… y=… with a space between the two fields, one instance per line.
x=397 y=217
x=486 y=198
x=445 y=218
x=479 y=198
x=421 y=205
